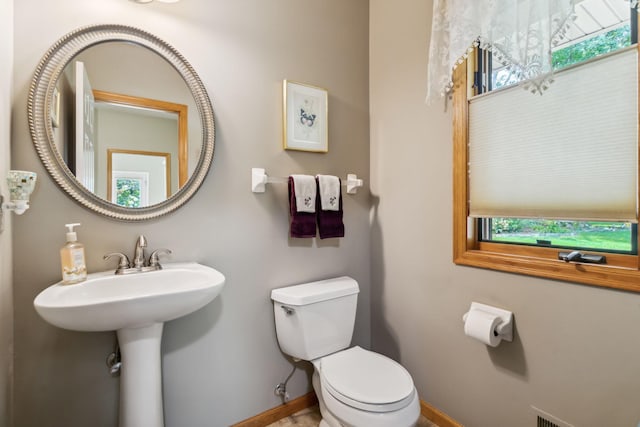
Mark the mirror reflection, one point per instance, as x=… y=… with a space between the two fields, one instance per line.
x=138 y=178
x=126 y=124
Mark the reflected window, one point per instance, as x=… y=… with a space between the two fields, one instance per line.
x=131 y=189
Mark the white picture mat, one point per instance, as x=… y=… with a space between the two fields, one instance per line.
x=306 y=114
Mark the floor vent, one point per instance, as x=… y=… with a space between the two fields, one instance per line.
x=544 y=419
x=543 y=422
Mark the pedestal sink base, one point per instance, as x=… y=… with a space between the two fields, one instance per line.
x=141 y=377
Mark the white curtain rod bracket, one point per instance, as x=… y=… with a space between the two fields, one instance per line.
x=259 y=180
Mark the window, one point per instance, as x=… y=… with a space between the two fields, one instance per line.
x=531 y=244
x=597 y=36
x=606 y=236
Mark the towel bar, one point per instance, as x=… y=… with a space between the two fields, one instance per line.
x=259 y=179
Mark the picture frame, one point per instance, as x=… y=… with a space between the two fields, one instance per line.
x=55 y=108
x=305 y=113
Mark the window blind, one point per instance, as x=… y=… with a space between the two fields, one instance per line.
x=570 y=153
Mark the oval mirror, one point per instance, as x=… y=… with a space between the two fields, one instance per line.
x=121 y=122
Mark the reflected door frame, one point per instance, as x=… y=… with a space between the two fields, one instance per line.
x=112 y=151
x=180 y=109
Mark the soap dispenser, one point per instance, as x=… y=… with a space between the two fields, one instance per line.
x=74 y=268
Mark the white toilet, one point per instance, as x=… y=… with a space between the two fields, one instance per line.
x=355 y=387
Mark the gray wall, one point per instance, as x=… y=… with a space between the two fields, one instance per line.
x=6 y=296
x=222 y=362
x=575 y=353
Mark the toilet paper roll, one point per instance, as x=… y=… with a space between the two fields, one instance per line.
x=481 y=326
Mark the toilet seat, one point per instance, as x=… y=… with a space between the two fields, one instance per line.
x=366 y=380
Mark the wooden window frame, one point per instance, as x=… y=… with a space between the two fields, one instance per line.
x=620 y=272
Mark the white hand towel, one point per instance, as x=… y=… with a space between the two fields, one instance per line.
x=305 y=189
x=329 y=187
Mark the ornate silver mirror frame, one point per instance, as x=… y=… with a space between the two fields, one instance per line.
x=40 y=103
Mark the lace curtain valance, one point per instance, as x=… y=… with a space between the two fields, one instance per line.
x=521 y=34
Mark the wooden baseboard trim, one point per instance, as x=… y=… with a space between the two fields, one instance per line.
x=280 y=412
x=272 y=415
x=436 y=416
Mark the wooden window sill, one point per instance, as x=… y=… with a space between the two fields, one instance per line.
x=611 y=276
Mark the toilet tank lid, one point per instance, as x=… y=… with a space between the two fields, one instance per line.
x=322 y=290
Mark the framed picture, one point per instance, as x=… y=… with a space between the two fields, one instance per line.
x=305 y=117
x=55 y=108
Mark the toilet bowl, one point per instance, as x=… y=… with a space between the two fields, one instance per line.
x=355 y=387
x=358 y=388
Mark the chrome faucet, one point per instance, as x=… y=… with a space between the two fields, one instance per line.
x=138 y=265
x=138 y=258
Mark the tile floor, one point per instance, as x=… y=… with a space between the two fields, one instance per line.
x=310 y=417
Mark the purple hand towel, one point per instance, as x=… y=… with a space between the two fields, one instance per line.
x=329 y=221
x=302 y=224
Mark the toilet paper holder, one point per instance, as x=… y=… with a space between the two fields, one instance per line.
x=505 y=328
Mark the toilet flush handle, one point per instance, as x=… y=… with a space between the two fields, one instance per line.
x=288 y=310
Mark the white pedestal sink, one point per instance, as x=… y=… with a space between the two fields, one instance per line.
x=136 y=306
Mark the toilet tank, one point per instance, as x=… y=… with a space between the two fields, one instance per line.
x=317 y=318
